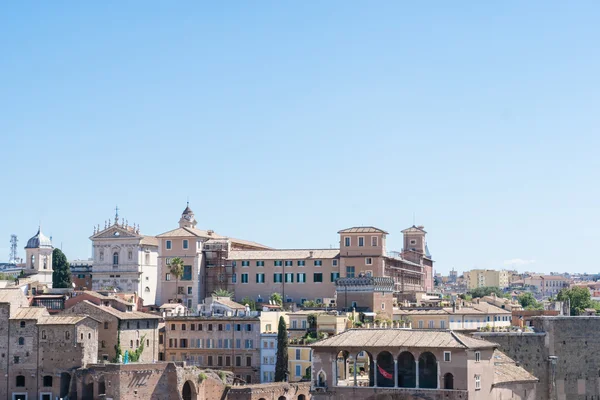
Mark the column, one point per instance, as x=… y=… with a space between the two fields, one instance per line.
x=355 y=358
x=438 y=374
x=417 y=373
x=395 y=373
x=375 y=373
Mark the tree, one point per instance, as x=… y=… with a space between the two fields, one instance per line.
x=281 y=367
x=486 y=291
x=312 y=322
x=251 y=303
x=176 y=269
x=580 y=299
x=528 y=302
x=61 y=277
x=276 y=298
x=222 y=293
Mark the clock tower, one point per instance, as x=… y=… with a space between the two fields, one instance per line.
x=187 y=219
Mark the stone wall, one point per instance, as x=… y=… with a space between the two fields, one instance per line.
x=357 y=393
x=271 y=391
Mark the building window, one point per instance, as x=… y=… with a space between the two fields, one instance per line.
x=368 y=261
x=260 y=263
x=130 y=255
x=447 y=356
x=101 y=255
x=431 y=324
x=477 y=356
x=168 y=245
x=335 y=276
x=318 y=263
x=318 y=277
x=383 y=306
x=248 y=361
x=20 y=381
x=22 y=324
x=186 y=244
x=301 y=263
x=234 y=278
x=298 y=370
x=244 y=278
x=443 y=324
x=167 y=277
x=21 y=341
x=47 y=381
x=350 y=272
x=245 y=263
x=420 y=324
x=67 y=335
x=413 y=242
x=147 y=260
x=187 y=273
x=361 y=241
x=334 y=263
x=278 y=278
x=374 y=241
x=289 y=278
x=115 y=258
x=260 y=278
x=278 y=263
x=301 y=277
x=347 y=241
x=297 y=354
x=477 y=382
x=289 y=263
x=43 y=334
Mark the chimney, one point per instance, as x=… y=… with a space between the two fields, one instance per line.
x=210 y=232
x=311 y=253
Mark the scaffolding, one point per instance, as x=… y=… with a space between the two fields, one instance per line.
x=13 y=257
x=219 y=270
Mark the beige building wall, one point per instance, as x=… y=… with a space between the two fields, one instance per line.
x=486 y=277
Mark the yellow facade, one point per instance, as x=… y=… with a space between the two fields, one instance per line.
x=299 y=359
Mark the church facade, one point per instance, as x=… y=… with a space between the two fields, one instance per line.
x=125 y=260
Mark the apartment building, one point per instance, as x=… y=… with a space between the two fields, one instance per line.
x=547 y=285
x=477 y=278
x=299 y=361
x=216 y=342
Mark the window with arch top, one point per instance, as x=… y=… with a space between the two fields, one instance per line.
x=115 y=258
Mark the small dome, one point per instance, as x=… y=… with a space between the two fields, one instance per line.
x=38 y=241
x=187 y=210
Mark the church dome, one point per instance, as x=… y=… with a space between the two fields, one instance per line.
x=38 y=241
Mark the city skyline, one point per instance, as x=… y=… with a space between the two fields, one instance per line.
x=284 y=123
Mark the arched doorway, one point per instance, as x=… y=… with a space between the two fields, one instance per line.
x=88 y=388
x=407 y=370
x=385 y=369
x=342 y=369
x=448 y=381
x=301 y=397
x=281 y=398
x=364 y=369
x=101 y=386
x=189 y=391
x=427 y=371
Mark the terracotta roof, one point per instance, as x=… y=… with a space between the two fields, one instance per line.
x=123 y=314
x=229 y=303
x=187 y=232
x=365 y=338
x=506 y=370
x=463 y=310
x=420 y=312
x=61 y=320
x=11 y=295
x=362 y=229
x=285 y=254
x=489 y=308
x=415 y=229
x=149 y=241
x=30 y=313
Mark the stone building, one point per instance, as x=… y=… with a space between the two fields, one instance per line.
x=432 y=364
x=371 y=294
x=131 y=329
x=38 y=259
x=39 y=352
x=124 y=260
x=81 y=274
x=561 y=352
x=230 y=343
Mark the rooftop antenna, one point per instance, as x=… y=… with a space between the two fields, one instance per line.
x=116 y=214
x=12 y=258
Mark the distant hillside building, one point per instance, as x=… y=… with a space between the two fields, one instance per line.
x=477 y=278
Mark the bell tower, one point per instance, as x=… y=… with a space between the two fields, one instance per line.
x=38 y=253
x=187 y=219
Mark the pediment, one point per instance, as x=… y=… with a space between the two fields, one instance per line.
x=115 y=232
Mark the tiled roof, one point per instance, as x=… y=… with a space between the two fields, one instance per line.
x=30 y=313
x=229 y=303
x=123 y=314
x=365 y=338
x=61 y=320
x=421 y=312
x=415 y=229
x=149 y=241
x=462 y=310
x=362 y=229
x=489 y=308
x=187 y=232
x=285 y=254
x=248 y=243
x=11 y=295
x=506 y=370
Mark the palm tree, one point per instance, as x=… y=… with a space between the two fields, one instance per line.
x=176 y=269
x=222 y=293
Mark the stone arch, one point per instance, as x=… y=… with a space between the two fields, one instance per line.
x=448 y=381
x=301 y=397
x=385 y=369
x=321 y=379
x=65 y=384
x=188 y=392
x=364 y=369
x=342 y=368
x=428 y=371
x=281 y=398
x=407 y=370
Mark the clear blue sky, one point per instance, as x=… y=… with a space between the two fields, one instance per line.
x=284 y=122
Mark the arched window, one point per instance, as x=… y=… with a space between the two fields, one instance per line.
x=101 y=255
x=428 y=371
x=21 y=341
x=448 y=381
x=48 y=381
x=32 y=261
x=20 y=381
x=43 y=334
x=147 y=289
x=115 y=258
x=67 y=335
x=45 y=262
x=407 y=370
x=385 y=369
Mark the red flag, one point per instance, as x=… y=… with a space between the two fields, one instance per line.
x=384 y=373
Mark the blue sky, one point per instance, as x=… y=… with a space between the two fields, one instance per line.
x=284 y=122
